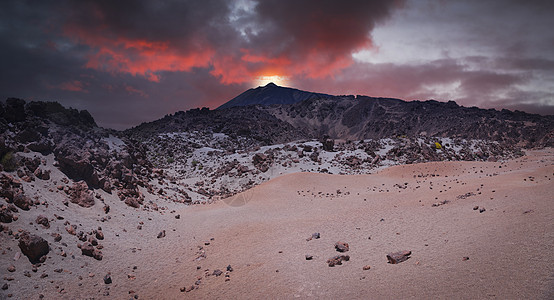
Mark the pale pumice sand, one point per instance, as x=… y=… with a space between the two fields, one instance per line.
x=262 y=234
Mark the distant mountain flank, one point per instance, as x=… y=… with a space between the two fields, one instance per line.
x=362 y=117
x=271 y=94
x=317 y=115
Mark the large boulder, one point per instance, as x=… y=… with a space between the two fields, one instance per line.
x=132 y=197
x=398 y=257
x=89 y=250
x=22 y=201
x=6 y=215
x=80 y=194
x=75 y=167
x=33 y=246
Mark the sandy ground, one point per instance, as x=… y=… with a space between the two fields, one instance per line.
x=262 y=234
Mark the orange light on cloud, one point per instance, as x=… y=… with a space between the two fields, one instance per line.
x=138 y=57
x=277 y=79
x=72 y=86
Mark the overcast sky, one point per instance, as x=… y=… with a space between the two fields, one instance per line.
x=129 y=62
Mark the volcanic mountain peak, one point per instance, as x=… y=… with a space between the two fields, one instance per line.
x=271 y=94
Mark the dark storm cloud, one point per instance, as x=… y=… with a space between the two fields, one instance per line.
x=315 y=38
x=134 y=61
x=47 y=48
x=152 y=57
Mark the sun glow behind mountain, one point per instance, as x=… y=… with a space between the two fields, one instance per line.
x=277 y=79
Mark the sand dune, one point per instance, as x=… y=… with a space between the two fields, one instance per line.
x=262 y=234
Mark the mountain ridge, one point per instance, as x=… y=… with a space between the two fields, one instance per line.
x=270 y=94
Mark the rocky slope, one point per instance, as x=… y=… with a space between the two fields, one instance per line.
x=75 y=196
x=364 y=117
x=91 y=156
x=246 y=126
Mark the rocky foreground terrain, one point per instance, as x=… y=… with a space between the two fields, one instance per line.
x=80 y=204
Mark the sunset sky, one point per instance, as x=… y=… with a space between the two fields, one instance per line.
x=129 y=62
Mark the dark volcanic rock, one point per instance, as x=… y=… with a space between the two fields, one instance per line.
x=33 y=246
x=89 y=250
x=57 y=237
x=43 y=221
x=131 y=197
x=74 y=165
x=398 y=257
x=6 y=215
x=80 y=194
x=108 y=278
x=22 y=201
x=337 y=260
x=80 y=148
x=99 y=235
x=341 y=247
x=132 y=202
x=42 y=174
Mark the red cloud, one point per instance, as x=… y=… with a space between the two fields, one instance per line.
x=137 y=56
x=73 y=86
x=313 y=39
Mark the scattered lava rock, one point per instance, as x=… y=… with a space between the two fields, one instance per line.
x=57 y=237
x=99 y=234
x=89 y=250
x=72 y=229
x=341 y=246
x=366 y=267
x=398 y=257
x=314 y=236
x=132 y=202
x=337 y=260
x=217 y=272
x=33 y=246
x=42 y=220
x=108 y=279
x=309 y=257
x=161 y=234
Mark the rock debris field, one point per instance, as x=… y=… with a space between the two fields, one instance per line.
x=447 y=229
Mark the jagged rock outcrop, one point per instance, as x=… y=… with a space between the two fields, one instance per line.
x=83 y=151
x=33 y=246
